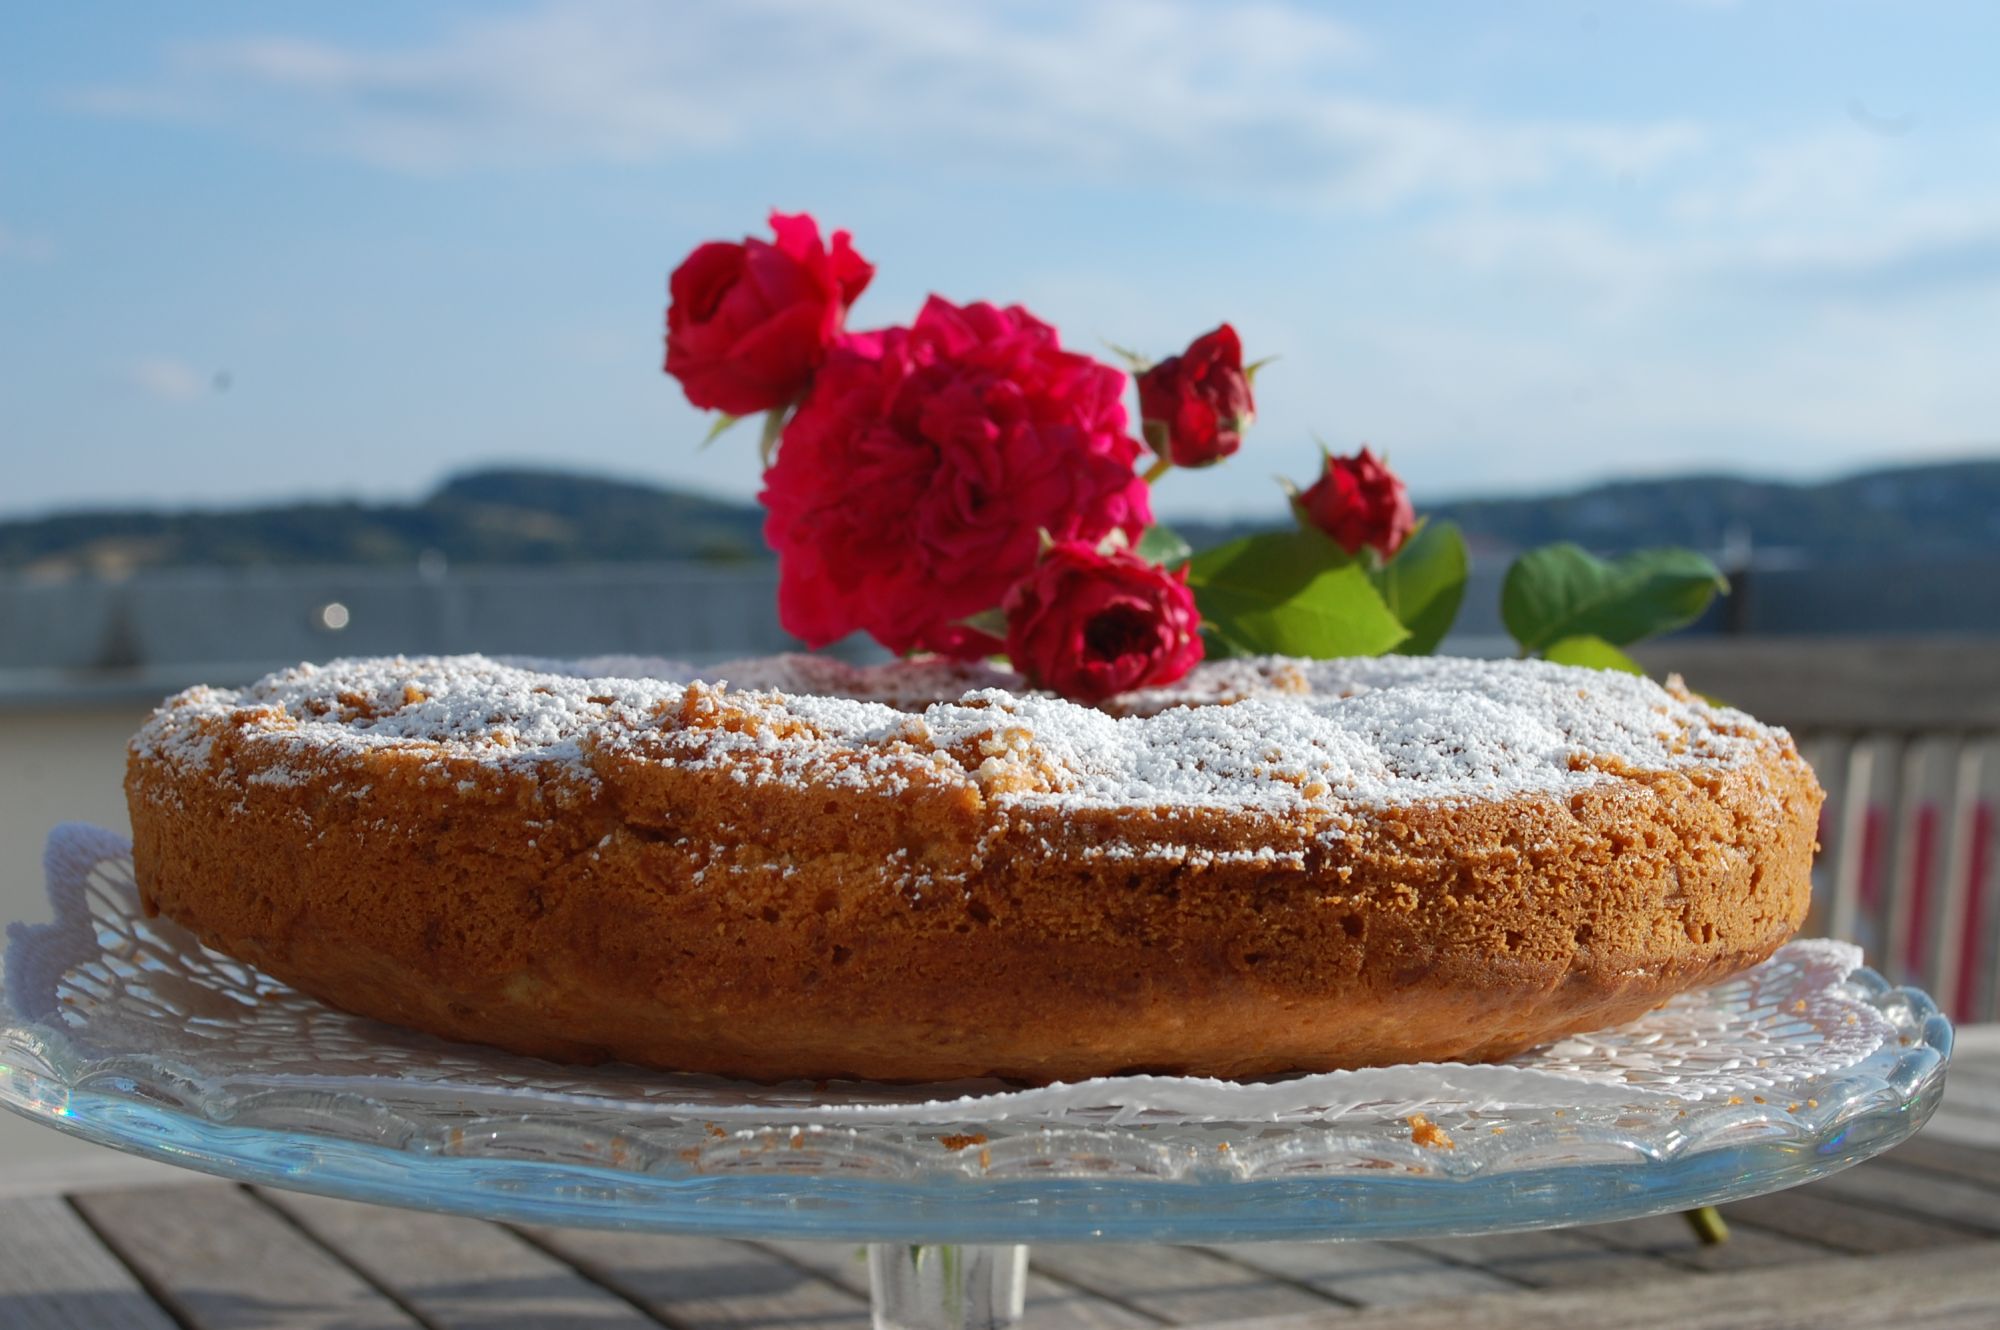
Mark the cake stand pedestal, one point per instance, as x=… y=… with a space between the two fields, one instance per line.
x=125 y=1031
x=924 y=1287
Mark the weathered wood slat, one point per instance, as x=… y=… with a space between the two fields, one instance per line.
x=1850 y=841
x=1931 y=1196
x=1812 y=1214
x=223 y=1256
x=223 y=1261
x=1549 y=1258
x=55 y=1274
x=1899 y=904
x=1978 y=1044
x=1051 y=1304
x=1826 y=752
x=1366 y=1274
x=706 y=1283
x=840 y=1263
x=1934 y=1154
x=1979 y=1116
x=1954 y=893
x=1972 y=1077
x=1671 y=1238
x=1179 y=1285
x=459 y=1274
x=1985 y=885
x=1954 y=1318
x=1931 y=1289
x=1972 y=1127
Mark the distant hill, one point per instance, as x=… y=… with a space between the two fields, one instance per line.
x=1919 y=512
x=517 y=516
x=499 y=516
x=1916 y=513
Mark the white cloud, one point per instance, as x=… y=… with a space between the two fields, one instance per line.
x=1173 y=94
x=21 y=245
x=1556 y=298
x=1480 y=407
x=167 y=379
x=1831 y=172
x=1840 y=216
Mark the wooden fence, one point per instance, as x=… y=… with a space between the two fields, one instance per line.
x=1905 y=736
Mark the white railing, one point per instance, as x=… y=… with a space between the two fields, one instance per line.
x=1905 y=736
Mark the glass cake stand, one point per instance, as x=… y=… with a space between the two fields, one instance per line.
x=127 y=1032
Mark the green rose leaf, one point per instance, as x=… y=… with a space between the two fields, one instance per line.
x=1162 y=545
x=774 y=429
x=723 y=420
x=1134 y=362
x=1423 y=585
x=993 y=622
x=1216 y=646
x=1291 y=593
x=1562 y=590
x=1592 y=653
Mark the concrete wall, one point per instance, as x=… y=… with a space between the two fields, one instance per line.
x=166 y=629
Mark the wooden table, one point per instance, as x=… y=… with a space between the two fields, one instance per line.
x=1911 y=1239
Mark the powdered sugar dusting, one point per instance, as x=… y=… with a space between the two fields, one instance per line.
x=1267 y=734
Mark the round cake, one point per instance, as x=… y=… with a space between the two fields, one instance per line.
x=792 y=867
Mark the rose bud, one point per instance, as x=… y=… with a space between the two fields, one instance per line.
x=1360 y=503
x=1197 y=404
x=1088 y=625
x=750 y=322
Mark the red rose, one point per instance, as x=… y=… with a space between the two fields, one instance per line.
x=750 y=323
x=910 y=489
x=1360 y=502
x=1197 y=404
x=1088 y=625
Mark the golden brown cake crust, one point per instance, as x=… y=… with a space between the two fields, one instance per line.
x=764 y=885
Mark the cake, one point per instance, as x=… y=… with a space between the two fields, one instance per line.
x=792 y=867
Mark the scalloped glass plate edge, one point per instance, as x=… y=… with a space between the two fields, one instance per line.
x=1222 y=1182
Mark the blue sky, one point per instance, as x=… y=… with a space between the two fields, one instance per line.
x=1516 y=247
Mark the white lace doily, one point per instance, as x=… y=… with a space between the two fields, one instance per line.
x=116 y=985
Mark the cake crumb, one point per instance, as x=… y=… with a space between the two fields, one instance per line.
x=1428 y=1134
x=955 y=1143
